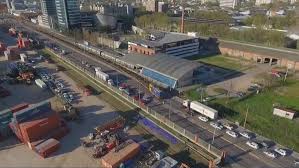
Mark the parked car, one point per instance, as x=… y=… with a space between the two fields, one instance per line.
x=267 y=144
x=296 y=162
x=281 y=151
x=228 y=126
x=207 y=99
x=146 y=99
x=216 y=125
x=232 y=134
x=246 y=135
x=253 y=144
x=203 y=118
x=270 y=154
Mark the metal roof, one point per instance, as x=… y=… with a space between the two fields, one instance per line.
x=163 y=38
x=173 y=67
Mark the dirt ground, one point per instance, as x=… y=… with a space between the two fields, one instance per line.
x=71 y=154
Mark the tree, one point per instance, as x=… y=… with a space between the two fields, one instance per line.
x=259 y=20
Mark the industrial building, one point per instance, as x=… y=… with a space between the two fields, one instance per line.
x=173 y=44
x=163 y=69
x=288 y=58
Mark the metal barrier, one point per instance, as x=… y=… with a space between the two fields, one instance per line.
x=162 y=119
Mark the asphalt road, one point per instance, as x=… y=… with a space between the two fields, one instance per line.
x=244 y=156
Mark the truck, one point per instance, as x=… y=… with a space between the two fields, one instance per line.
x=23 y=57
x=40 y=83
x=201 y=108
x=102 y=75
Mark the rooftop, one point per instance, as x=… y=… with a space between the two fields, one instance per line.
x=160 y=38
x=171 y=66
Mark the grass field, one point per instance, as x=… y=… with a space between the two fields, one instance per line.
x=178 y=151
x=260 y=118
x=223 y=62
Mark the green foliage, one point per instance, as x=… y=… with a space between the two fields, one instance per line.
x=260 y=118
x=155 y=21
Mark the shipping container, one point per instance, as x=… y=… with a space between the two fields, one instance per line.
x=36 y=129
x=19 y=107
x=47 y=147
x=32 y=145
x=33 y=111
x=5 y=115
x=201 y=108
x=122 y=153
x=102 y=75
x=40 y=83
x=5 y=131
x=16 y=130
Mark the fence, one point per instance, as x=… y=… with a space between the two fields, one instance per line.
x=162 y=119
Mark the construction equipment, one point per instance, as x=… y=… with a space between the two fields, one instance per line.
x=70 y=113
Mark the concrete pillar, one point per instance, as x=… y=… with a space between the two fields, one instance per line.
x=270 y=62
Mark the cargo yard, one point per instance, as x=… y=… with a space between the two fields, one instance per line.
x=38 y=100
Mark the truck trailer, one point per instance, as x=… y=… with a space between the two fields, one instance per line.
x=201 y=108
x=40 y=83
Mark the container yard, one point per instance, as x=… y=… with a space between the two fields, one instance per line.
x=121 y=154
x=36 y=125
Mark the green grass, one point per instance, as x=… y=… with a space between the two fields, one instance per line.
x=260 y=118
x=178 y=151
x=223 y=62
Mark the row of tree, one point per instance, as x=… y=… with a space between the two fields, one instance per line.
x=259 y=35
x=276 y=22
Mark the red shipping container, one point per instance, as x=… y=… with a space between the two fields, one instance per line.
x=16 y=130
x=47 y=147
x=19 y=107
x=32 y=145
x=60 y=133
x=34 y=130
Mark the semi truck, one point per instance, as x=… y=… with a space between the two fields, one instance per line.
x=201 y=108
x=102 y=75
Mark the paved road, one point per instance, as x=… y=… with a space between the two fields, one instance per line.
x=243 y=156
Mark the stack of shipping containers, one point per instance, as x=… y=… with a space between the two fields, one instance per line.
x=37 y=126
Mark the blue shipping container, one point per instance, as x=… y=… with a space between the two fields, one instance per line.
x=5 y=115
x=33 y=112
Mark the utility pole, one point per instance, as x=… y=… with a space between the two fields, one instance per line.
x=169 y=109
x=139 y=92
x=246 y=116
x=285 y=76
x=213 y=136
x=201 y=94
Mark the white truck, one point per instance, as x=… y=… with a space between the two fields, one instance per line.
x=201 y=108
x=40 y=83
x=23 y=57
x=102 y=75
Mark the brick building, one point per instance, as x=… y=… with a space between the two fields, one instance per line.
x=283 y=58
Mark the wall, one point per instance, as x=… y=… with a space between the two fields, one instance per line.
x=140 y=49
x=108 y=42
x=283 y=62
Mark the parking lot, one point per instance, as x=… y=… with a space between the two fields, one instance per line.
x=93 y=111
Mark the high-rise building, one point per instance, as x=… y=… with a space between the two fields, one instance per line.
x=68 y=13
x=228 y=3
x=49 y=17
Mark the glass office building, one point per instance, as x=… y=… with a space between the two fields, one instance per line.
x=68 y=13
